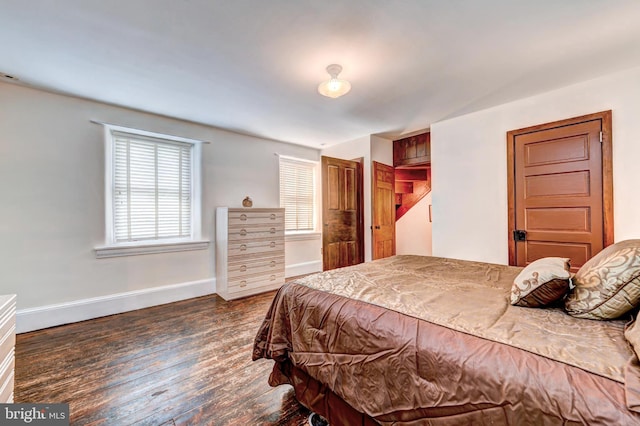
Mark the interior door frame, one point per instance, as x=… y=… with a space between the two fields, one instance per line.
x=607 y=173
x=374 y=216
x=359 y=207
x=360 y=201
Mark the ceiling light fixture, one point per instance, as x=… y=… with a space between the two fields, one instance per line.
x=334 y=87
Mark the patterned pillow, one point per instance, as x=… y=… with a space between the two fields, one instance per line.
x=632 y=371
x=541 y=283
x=608 y=285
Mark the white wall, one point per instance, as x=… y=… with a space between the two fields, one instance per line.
x=52 y=209
x=381 y=150
x=413 y=229
x=303 y=254
x=469 y=164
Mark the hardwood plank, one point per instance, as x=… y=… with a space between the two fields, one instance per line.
x=182 y=363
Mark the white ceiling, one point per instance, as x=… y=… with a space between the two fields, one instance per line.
x=253 y=66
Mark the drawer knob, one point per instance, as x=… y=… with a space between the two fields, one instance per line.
x=243 y=216
x=243 y=283
x=273 y=244
x=243 y=247
x=272 y=230
x=243 y=268
x=273 y=216
x=243 y=232
x=272 y=277
x=273 y=263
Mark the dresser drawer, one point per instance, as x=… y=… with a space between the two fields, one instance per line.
x=255 y=282
x=7 y=378
x=7 y=346
x=275 y=245
x=252 y=232
x=255 y=218
x=256 y=266
x=8 y=328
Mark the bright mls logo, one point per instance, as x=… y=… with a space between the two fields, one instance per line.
x=34 y=414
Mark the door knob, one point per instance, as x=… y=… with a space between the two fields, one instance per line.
x=520 y=235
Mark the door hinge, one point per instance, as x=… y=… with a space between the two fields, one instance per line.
x=600 y=137
x=519 y=235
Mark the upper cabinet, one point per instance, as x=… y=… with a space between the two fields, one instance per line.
x=412 y=150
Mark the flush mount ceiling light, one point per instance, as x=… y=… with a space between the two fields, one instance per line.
x=334 y=87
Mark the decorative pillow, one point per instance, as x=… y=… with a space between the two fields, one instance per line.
x=608 y=285
x=541 y=282
x=632 y=370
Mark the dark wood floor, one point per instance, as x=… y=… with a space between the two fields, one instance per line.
x=185 y=363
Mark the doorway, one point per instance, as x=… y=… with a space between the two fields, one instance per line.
x=560 y=188
x=383 y=218
x=342 y=213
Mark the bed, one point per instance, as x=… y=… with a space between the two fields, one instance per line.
x=413 y=340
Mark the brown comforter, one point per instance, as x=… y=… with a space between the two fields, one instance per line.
x=424 y=340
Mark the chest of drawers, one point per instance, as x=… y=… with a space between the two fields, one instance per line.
x=7 y=346
x=249 y=251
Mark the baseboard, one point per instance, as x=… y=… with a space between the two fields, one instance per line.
x=302 y=268
x=79 y=310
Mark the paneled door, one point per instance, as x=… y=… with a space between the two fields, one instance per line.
x=342 y=216
x=561 y=190
x=384 y=211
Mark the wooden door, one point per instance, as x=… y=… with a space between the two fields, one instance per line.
x=342 y=213
x=383 y=212
x=560 y=190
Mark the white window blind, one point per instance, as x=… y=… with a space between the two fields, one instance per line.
x=297 y=193
x=152 y=188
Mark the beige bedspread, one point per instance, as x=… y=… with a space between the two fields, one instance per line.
x=414 y=340
x=473 y=297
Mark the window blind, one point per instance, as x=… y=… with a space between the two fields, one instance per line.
x=152 y=188
x=297 y=194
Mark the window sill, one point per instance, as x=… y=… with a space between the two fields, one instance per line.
x=138 y=249
x=302 y=236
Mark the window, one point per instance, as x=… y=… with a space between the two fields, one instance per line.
x=297 y=194
x=152 y=192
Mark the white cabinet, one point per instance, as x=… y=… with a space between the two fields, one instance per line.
x=249 y=251
x=7 y=346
